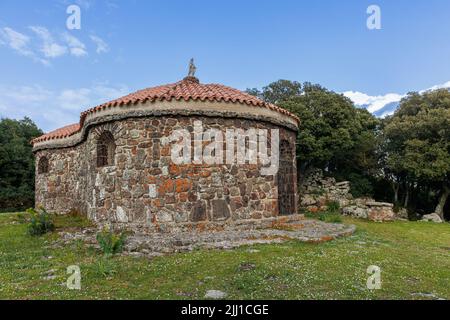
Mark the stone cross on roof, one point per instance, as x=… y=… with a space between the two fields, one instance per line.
x=192 y=68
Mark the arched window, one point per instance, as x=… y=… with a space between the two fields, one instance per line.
x=43 y=165
x=106 y=148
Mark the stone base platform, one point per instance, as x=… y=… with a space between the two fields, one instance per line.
x=280 y=230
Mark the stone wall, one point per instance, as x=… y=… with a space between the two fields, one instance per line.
x=62 y=189
x=316 y=191
x=145 y=190
x=366 y=208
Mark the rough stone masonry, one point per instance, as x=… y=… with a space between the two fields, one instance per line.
x=114 y=167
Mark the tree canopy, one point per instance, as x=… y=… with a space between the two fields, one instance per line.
x=417 y=143
x=334 y=135
x=17 y=163
x=278 y=91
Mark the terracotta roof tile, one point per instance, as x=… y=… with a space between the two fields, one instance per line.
x=64 y=132
x=187 y=89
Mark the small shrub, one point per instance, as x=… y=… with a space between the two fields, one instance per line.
x=361 y=186
x=111 y=243
x=21 y=218
x=73 y=219
x=330 y=217
x=105 y=267
x=327 y=216
x=333 y=206
x=40 y=222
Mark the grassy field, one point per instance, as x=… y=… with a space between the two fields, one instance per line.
x=414 y=258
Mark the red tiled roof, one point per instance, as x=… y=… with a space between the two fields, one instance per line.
x=64 y=132
x=187 y=89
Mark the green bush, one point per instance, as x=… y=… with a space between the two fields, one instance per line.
x=17 y=164
x=73 y=219
x=21 y=218
x=361 y=186
x=40 y=222
x=325 y=216
x=333 y=206
x=330 y=217
x=111 y=243
x=105 y=267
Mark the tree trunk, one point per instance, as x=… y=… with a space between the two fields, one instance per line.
x=395 y=188
x=442 y=201
x=405 y=205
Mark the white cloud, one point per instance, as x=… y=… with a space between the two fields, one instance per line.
x=76 y=47
x=375 y=104
x=49 y=48
x=20 y=43
x=372 y=103
x=445 y=85
x=16 y=41
x=53 y=50
x=102 y=46
x=54 y=109
x=74 y=99
x=44 y=46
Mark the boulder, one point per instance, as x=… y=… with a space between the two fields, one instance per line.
x=363 y=201
x=402 y=214
x=365 y=208
x=308 y=200
x=215 y=294
x=356 y=212
x=380 y=211
x=433 y=217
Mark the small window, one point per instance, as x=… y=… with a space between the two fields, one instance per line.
x=43 y=165
x=106 y=148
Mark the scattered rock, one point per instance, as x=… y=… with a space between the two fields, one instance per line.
x=366 y=208
x=49 y=275
x=215 y=294
x=184 y=294
x=427 y=295
x=402 y=214
x=356 y=212
x=50 y=272
x=380 y=211
x=433 y=217
x=308 y=200
x=247 y=266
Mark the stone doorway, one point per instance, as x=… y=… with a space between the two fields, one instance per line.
x=285 y=179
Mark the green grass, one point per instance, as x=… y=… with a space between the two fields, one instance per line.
x=414 y=258
x=327 y=216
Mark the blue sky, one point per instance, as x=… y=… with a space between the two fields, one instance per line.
x=51 y=73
